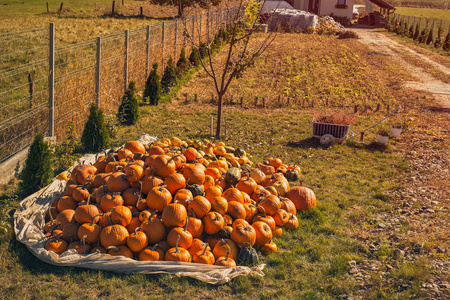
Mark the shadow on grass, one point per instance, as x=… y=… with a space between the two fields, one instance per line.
x=306 y=143
x=374 y=146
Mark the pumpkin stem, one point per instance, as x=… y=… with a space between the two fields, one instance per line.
x=193 y=213
x=83 y=242
x=186 y=225
x=140 y=191
x=154 y=247
x=50 y=214
x=264 y=211
x=93 y=219
x=88 y=199
x=204 y=249
x=250 y=245
x=152 y=214
x=116 y=249
x=135 y=230
x=226 y=256
x=53 y=229
x=176 y=244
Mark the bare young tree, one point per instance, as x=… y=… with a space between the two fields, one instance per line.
x=244 y=45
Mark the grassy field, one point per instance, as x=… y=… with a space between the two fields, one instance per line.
x=351 y=182
x=312 y=261
x=424 y=12
x=304 y=70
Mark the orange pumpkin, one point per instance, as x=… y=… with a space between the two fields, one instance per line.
x=158 y=198
x=302 y=197
x=243 y=233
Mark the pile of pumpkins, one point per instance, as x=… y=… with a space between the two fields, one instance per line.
x=176 y=200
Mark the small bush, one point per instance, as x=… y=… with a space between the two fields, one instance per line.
x=446 y=45
x=416 y=32
x=128 y=113
x=203 y=50
x=37 y=172
x=411 y=31
x=438 y=41
x=194 y=59
x=182 y=61
x=65 y=151
x=430 y=38
x=348 y=35
x=310 y=30
x=152 y=92
x=169 y=78
x=95 y=135
x=423 y=36
x=112 y=125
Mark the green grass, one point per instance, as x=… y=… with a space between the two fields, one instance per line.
x=350 y=180
x=312 y=261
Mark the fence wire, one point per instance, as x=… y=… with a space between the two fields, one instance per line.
x=24 y=74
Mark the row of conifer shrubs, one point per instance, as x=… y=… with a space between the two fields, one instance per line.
x=38 y=171
x=424 y=35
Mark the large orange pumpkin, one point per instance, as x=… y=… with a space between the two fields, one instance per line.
x=302 y=197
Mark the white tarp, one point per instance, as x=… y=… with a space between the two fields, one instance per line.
x=269 y=6
x=292 y=18
x=29 y=220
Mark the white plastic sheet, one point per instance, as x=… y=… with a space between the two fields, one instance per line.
x=29 y=220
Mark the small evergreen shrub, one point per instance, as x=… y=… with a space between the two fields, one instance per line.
x=430 y=38
x=95 y=135
x=169 y=78
x=128 y=113
x=152 y=92
x=37 y=172
x=182 y=61
x=416 y=32
x=423 y=36
x=446 y=45
x=405 y=31
x=203 y=49
x=411 y=31
x=438 y=41
x=194 y=59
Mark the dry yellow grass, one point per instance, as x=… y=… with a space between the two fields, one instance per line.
x=299 y=66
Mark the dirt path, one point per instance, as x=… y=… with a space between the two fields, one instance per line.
x=384 y=45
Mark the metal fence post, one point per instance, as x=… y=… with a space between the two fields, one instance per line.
x=98 y=71
x=200 y=29
x=193 y=28
x=163 y=42
x=147 y=63
x=175 y=42
x=207 y=26
x=126 y=59
x=51 y=82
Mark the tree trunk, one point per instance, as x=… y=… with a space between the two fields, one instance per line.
x=219 y=115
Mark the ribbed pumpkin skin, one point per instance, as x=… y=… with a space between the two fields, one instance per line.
x=248 y=256
x=174 y=215
x=114 y=235
x=233 y=175
x=158 y=198
x=86 y=213
x=117 y=182
x=302 y=197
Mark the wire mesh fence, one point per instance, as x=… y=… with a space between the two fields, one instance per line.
x=23 y=87
x=45 y=88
